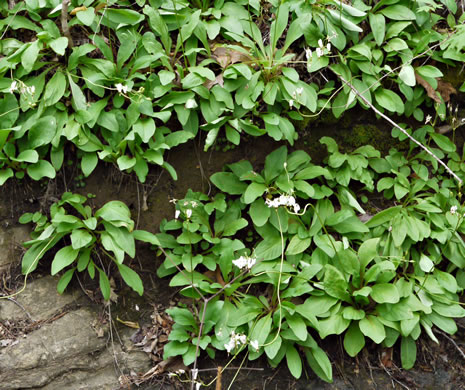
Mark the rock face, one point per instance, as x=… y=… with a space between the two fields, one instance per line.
x=70 y=346
x=10 y=241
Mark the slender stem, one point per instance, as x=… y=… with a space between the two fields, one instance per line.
x=399 y=128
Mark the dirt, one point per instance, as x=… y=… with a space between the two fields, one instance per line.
x=438 y=366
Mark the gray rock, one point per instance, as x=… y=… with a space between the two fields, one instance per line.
x=39 y=300
x=10 y=245
x=66 y=352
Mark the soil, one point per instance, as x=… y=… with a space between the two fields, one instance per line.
x=438 y=366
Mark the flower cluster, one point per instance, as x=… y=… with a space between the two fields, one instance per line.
x=295 y=96
x=122 y=88
x=453 y=210
x=245 y=262
x=283 y=200
x=236 y=340
x=320 y=50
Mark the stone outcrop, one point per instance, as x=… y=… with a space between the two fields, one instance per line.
x=69 y=347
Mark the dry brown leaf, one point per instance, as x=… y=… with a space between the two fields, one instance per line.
x=427 y=86
x=218 y=80
x=129 y=324
x=226 y=56
x=386 y=357
x=446 y=89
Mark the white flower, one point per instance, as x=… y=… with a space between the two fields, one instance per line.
x=428 y=119
x=299 y=91
x=291 y=103
x=390 y=229
x=283 y=200
x=453 y=210
x=245 y=262
x=197 y=385
x=176 y=214
x=188 y=213
x=235 y=341
x=194 y=204
x=308 y=53
x=13 y=86
x=254 y=345
x=171 y=374
x=121 y=88
x=319 y=52
x=320 y=43
x=328 y=46
x=191 y=103
x=30 y=90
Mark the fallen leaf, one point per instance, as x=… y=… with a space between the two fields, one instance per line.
x=446 y=89
x=218 y=80
x=226 y=56
x=427 y=86
x=129 y=324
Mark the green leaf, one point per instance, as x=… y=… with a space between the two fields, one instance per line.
x=298 y=326
x=274 y=163
x=383 y=216
x=407 y=75
x=29 y=56
x=42 y=132
x=41 y=169
x=298 y=245
x=335 y=283
x=64 y=280
x=259 y=212
x=55 y=89
x=30 y=156
x=270 y=248
x=117 y=213
x=122 y=16
x=78 y=97
x=104 y=284
x=145 y=127
x=229 y=183
x=253 y=191
x=145 y=236
x=80 y=238
x=373 y=328
x=175 y=348
x=87 y=16
x=88 y=163
x=126 y=162
x=378 y=27
x=320 y=364
x=398 y=12
x=59 y=45
x=293 y=361
x=64 y=257
x=354 y=341
x=385 y=293
x=443 y=142
x=131 y=278
x=426 y=265
x=408 y=352
x=389 y=100
x=429 y=71
x=261 y=330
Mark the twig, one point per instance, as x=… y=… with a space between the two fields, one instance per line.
x=398 y=127
x=21 y=307
x=390 y=375
x=64 y=22
x=452 y=341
